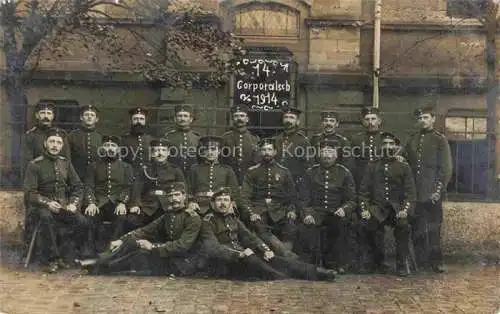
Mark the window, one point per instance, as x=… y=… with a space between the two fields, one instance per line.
x=266 y=20
x=466 y=128
x=467 y=8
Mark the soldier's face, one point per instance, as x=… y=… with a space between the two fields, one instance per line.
x=54 y=144
x=110 y=149
x=267 y=152
x=89 y=118
x=426 y=121
x=389 y=147
x=328 y=155
x=45 y=116
x=183 y=118
x=240 y=118
x=138 y=119
x=222 y=204
x=159 y=153
x=176 y=199
x=290 y=120
x=211 y=153
x=329 y=124
x=372 y=121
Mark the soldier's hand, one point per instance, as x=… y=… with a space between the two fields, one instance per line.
x=291 y=215
x=402 y=214
x=92 y=210
x=135 y=210
x=71 y=208
x=114 y=245
x=247 y=252
x=120 y=209
x=255 y=217
x=54 y=206
x=365 y=214
x=145 y=245
x=340 y=212
x=268 y=255
x=193 y=206
x=309 y=220
x=435 y=197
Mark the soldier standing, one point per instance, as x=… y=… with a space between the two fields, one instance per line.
x=184 y=140
x=85 y=141
x=135 y=145
x=429 y=156
x=330 y=122
x=293 y=146
x=168 y=245
x=269 y=199
x=36 y=136
x=108 y=185
x=387 y=197
x=204 y=178
x=54 y=193
x=229 y=241
x=328 y=200
x=149 y=194
x=366 y=144
x=240 y=146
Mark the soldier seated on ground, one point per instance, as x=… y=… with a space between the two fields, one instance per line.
x=166 y=246
x=54 y=193
x=229 y=243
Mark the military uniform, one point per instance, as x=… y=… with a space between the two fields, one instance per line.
x=135 y=144
x=149 y=191
x=344 y=142
x=175 y=245
x=84 y=143
x=323 y=191
x=292 y=149
x=108 y=183
x=53 y=178
x=387 y=188
x=243 y=151
x=35 y=139
x=184 y=152
x=429 y=156
x=366 y=148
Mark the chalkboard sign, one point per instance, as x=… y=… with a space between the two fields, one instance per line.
x=263 y=84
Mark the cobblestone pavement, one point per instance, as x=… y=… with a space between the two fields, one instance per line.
x=464 y=289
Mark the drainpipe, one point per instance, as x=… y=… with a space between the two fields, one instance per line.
x=376 y=51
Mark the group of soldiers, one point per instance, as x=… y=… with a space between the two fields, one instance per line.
x=237 y=205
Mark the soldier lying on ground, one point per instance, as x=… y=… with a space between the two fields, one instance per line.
x=229 y=243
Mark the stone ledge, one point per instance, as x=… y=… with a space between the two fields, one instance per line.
x=469 y=228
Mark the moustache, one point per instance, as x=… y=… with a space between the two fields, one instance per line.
x=45 y=120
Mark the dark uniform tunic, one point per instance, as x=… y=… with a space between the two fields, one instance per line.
x=185 y=143
x=387 y=188
x=108 y=183
x=292 y=153
x=343 y=158
x=323 y=192
x=240 y=150
x=269 y=191
x=176 y=249
x=53 y=178
x=365 y=148
x=429 y=156
x=149 y=189
x=35 y=138
x=225 y=237
x=84 y=144
x=203 y=179
x=135 y=149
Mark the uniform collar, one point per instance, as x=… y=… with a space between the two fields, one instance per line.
x=87 y=129
x=206 y=162
x=183 y=129
x=291 y=131
x=240 y=130
x=272 y=162
x=49 y=156
x=426 y=131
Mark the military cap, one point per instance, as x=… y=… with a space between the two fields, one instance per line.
x=292 y=110
x=161 y=142
x=329 y=114
x=389 y=135
x=240 y=108
x=210 y=140
x=423 y=110
x=184 y=107
x=176 y=187
x=54 y=132
x=111 y=138
x=45 y=105
x=223 y=191
x=329 y=143
x=369 y=110
x=137 y=110
x=89 y=108
x=267 y=141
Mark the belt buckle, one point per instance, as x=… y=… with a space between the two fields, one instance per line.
x=268 y=201
x=158 y=192
x=209 y=194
